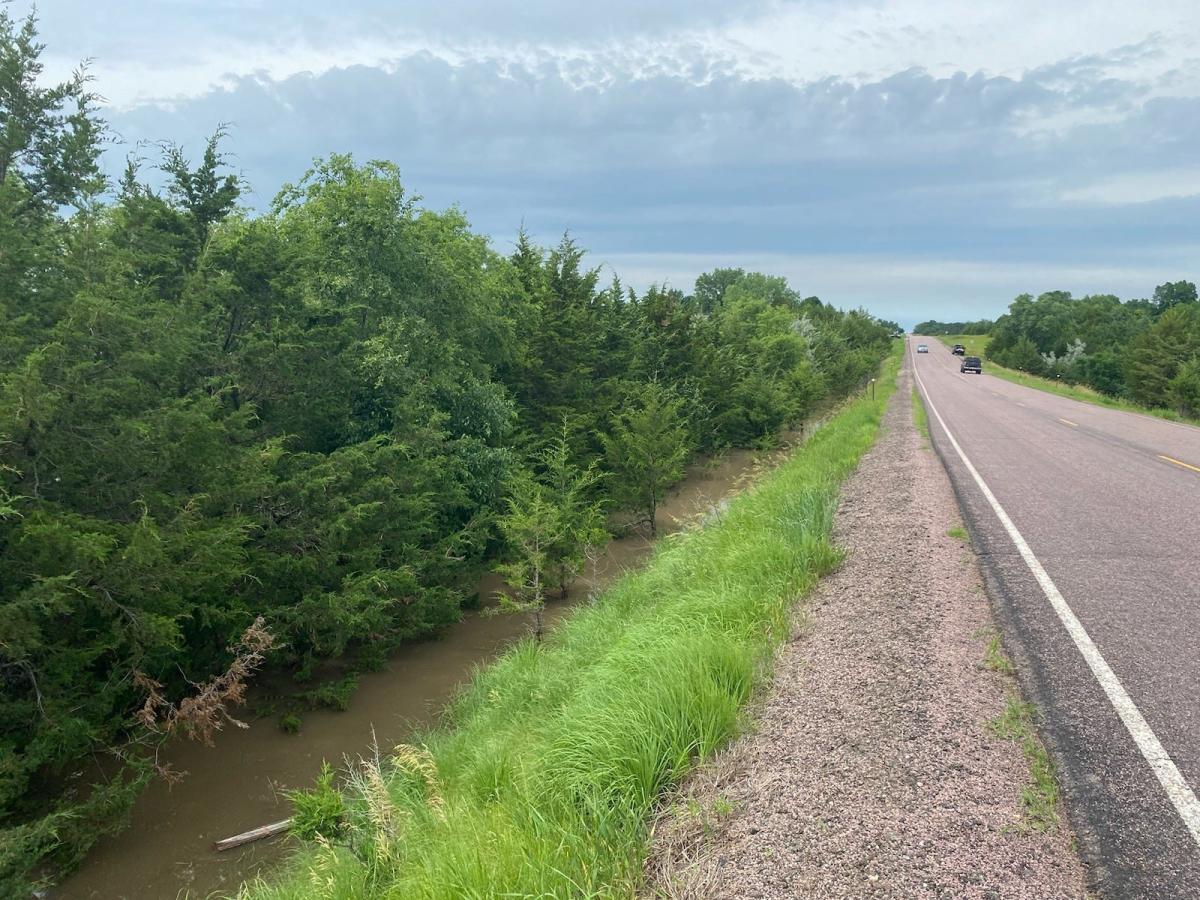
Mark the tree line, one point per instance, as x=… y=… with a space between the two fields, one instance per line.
x=230 y=437
x=1144 y=350
x=933 y=326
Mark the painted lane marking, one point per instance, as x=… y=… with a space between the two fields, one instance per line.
x=1068 y=422
x=1178 y=791
x=1178 y=462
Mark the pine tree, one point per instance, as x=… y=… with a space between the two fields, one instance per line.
x=646 y=450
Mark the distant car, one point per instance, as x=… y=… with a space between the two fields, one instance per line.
x=959 y=350
x=922 y=348
x=971 y=364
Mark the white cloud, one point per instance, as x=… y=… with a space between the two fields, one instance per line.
x=1138 y=187
x=957 y=150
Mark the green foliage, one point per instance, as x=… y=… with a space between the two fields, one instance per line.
x=1158 y=355
x=550 y=525
x=320 y=811
x=555 y=756
x=646 y=449
x=334 y=694
x=320 y=416
x=290 y=723
x=934 y=327
x=1129 y=350
x=1183 y=391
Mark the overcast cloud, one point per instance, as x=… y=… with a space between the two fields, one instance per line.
x=917 y=159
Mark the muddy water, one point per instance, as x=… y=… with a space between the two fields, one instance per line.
x=236 y=785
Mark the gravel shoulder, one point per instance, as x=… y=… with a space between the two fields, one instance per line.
x=878 y=763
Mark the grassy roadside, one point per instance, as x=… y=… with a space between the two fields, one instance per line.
x=544 y=779
x=976 y=345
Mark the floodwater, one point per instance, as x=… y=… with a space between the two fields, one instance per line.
x=167 y=850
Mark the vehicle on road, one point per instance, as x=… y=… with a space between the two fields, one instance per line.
x=922 y=348
x=971 y=364
x=959 y=350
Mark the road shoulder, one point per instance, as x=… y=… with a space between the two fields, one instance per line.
x=891 y=755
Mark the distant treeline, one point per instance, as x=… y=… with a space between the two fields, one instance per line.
x=312 y=416
x=983 y=326
x=1145 y=350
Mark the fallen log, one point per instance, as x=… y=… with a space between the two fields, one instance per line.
x=254 y=834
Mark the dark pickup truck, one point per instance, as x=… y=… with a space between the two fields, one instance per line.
x=959 y=350
x=971 y=364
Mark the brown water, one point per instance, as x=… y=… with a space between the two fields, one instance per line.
x=236 y=785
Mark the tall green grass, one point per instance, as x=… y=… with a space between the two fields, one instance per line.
x=544 y=777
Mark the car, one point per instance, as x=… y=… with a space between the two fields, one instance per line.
x=922 y=348
x=959 y=350
x=971 y=364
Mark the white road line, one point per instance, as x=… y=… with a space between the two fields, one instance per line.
x=1164 y=768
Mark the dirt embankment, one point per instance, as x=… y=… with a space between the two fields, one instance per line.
x=890 y=757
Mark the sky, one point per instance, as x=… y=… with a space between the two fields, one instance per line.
x=922 y=159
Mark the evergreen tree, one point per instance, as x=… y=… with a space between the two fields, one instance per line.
x=646 y=450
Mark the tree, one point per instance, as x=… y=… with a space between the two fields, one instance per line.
x=532 y=526
x=709 y=292
x=50 y=140
x=552 y=522
x=1183 y=391
x=1024 y=356
x=205 y=193
x=572 y=491
x=1157 y=354
x=50 y=137
x=1173 y=293
x=646 y=450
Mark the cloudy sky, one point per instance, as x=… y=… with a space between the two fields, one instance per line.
x=921 y=158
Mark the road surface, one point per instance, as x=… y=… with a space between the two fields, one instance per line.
x=1095 y=580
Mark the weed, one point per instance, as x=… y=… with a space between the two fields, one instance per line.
x=290 y=723
x=920 y=417
x=333 y=694
x=319 y=811
x=959 y=534
x=994 y=658
x=1039 y=797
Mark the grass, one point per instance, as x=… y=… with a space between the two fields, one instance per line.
x=544 y=779
x=976 y=345
x=994 y=658
x=920 y=417
x=1039 y=796
x=959 y=534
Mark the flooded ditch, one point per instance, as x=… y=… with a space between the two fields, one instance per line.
x=237 y=785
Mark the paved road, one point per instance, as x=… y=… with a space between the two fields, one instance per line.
x=1109 y=504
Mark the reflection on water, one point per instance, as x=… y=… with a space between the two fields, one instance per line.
x=235 y=786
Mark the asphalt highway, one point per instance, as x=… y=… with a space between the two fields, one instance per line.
x=1106 y=637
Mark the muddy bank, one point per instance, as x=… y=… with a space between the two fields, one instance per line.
x=237 y=785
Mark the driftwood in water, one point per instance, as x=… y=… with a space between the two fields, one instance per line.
x=254 y=834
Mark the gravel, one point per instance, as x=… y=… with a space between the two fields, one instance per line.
x=870 y=770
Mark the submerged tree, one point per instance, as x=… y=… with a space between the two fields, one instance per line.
x=552 y=523
x=647 y=449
